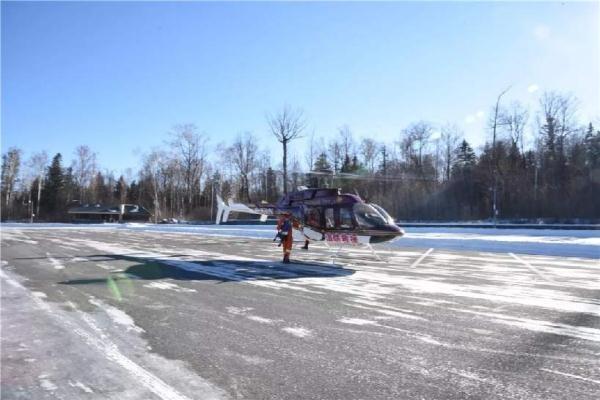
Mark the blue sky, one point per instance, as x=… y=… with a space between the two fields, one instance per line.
x=117 y=76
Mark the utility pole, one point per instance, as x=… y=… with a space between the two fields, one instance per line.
x=494 y=161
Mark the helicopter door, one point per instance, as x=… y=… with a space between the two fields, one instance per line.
x=345 y=220
x=313 y=217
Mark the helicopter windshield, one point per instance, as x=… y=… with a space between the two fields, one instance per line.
x=383 y=213
x=367 y=216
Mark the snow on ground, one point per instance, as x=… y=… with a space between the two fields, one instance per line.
x=568 y=243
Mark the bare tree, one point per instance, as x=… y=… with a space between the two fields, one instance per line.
x=346 y=141
x=450 y=138
x=312 y=151
x=243 y=155
x=84 y=169
x=286 y=126
x=415 y=140
x=37 y=164
x=514 y=120
x=153 y=169
x=369 y=149
x=567 y=108
x=11 y=161
x=190 y=147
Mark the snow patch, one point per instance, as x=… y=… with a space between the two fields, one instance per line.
x=117 y=316
x=298 y=331
x=168 y=286
x=55 y=262
x=579 y=332
x=81 y=386
x=429 y=339
x=254 y=360
x=357 y=321
x=104 y=346
x=238 y=310
x=47 y=384
x=262 y=320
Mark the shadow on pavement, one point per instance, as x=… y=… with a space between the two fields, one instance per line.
x=223 y=270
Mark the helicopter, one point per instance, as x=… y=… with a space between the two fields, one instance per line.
x=324 y=214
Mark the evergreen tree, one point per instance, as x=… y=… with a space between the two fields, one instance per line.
x=133 y=193
x=120 y=192
x=465 y=158
x=592 y=147
x=271 y=185
x=70 y=186
x=347 y=165
x=321 y=164
x=53 y=196
x=102 y=191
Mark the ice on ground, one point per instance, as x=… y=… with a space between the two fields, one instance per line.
x=568 y=243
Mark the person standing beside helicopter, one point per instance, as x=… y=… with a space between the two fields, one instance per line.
x=284 y=227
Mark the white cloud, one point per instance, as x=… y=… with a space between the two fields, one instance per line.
x=541 y=32
x=533 y=88
x=472 y=118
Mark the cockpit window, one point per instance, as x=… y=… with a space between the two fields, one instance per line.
x=383 y=213
x=367 y=216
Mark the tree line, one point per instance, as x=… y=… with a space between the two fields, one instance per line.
x=428 y=173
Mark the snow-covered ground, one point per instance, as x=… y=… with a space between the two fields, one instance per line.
x=568 y=243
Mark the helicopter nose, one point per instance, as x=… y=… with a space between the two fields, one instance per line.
x=395 y=229
x=398 y=230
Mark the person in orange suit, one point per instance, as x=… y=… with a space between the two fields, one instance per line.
x=285 y=223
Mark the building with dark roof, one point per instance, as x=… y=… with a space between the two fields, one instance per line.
x=102 y=213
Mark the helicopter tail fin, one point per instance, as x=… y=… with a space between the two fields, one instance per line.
x=223 y=210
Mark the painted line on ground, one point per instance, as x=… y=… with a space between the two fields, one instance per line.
x=570 y=375
x=532 y=268
x=416 y=263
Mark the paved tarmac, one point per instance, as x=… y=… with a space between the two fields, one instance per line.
x=115 y=314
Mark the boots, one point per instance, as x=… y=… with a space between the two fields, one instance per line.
x=286 y=258
x=305 y=247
